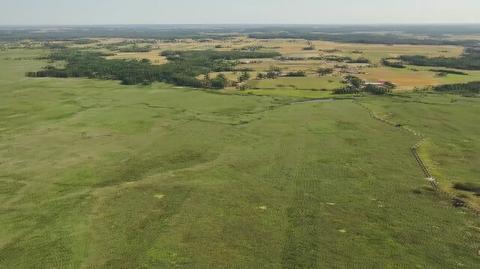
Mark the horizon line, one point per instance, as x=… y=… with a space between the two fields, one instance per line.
x=250 y=24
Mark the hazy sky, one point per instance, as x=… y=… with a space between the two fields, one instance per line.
x=21 y=12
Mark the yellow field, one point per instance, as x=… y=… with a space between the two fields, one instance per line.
x=154 y=56
x=403 y=78
x=375 y=52
x=408 y=78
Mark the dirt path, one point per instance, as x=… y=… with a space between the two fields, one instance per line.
x=421 y=163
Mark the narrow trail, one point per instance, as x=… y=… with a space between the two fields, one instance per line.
x=421 y=163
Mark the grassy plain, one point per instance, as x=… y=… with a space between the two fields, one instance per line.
x=299 y=83
x=450 y=124
x=98 y=175
x=416 y=77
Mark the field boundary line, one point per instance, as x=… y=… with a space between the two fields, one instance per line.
x=420 y=162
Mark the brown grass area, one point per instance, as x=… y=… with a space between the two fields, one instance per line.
x=404 y=78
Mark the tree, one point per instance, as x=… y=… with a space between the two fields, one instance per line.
x=244 y=76
x=389 y=85
x=377 y=90
x=261 y=76
x=274 y=72
x=393 y=63
x=219 y=82
x=354 y=81
x=324 y=71
x=349 y=89
x=296 y=74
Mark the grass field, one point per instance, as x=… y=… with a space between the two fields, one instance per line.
x=98 y=175
x=296 y=87
x=153 y=56
x=299 y=83
x=292 y=93
x=449 y=123
x=416 y=77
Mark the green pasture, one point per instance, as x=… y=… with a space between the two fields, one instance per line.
x=98 y=175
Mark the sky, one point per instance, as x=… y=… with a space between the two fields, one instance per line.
x=91 y=12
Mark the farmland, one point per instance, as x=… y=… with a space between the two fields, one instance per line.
x=298 y=59
x=274 y=172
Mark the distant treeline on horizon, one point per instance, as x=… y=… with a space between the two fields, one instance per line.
x=395 y=34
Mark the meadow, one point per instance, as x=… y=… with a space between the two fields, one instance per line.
x=94 y=174
x=449 y=124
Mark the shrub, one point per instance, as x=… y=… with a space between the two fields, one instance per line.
x=325 y=71
x=349 y=89
x=273 y=72
x=377 y=90
x=354 y=81
x=361 y=60
x=219 y=82
x=394 y=64
x=135 y=49
x=244 y=77
x=446 y=71
x=261 y=76
x=461 y=88
x=336 y=58
x=296 y=74
x=389 y=85
x=468 y=186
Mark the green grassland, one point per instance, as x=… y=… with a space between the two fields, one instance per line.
x=98 y=175
x=293 y=93
x=450 y=125
x=313 y=87
x=299 y=83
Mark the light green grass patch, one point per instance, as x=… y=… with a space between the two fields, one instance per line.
x=299 y=83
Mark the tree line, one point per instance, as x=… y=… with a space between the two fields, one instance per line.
x=460 y=88
x=363 y=38
x=470 y=60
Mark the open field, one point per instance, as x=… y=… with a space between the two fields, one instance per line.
x=300 y=83
x=372 y=51
x=94 y=174
x=291 y=92
x=415 y=77
x=449 y=124
x=153 y=56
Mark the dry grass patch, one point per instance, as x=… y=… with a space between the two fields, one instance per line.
x=154 y=56
x=404 y=78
